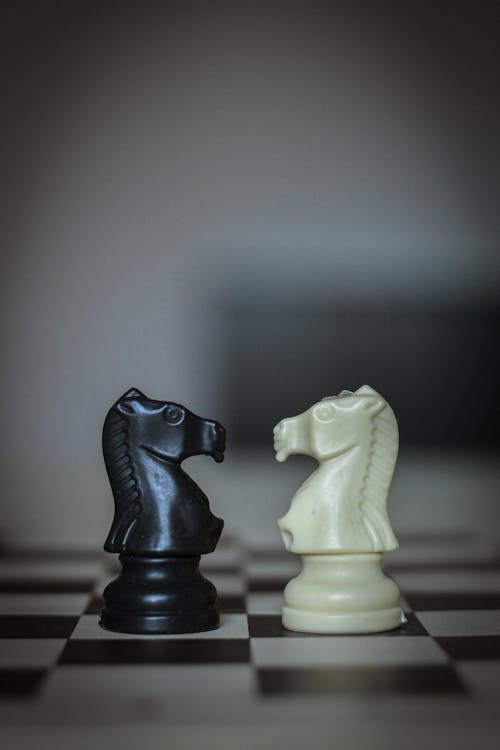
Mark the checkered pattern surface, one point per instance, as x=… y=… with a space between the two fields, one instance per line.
x=53 y=653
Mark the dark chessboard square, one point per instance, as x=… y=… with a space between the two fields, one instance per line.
x=94 y=606
x=36 y=626
x=270 y=626
x=59 y=556
x=157 y=651
x=265 y=626
x=471 y=646
x=231 y=603
x=16 y=683
x=433 y=601
x=267 y=584
x=425 y=566
x=439 y=679
x=412 y=626
x=208 y=570
x=49 y=586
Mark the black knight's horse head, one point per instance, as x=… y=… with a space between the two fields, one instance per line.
x=169 y=430
x=158 y=508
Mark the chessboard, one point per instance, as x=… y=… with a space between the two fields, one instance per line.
x=64 y=681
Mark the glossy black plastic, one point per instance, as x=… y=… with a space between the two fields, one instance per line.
x=162 y=522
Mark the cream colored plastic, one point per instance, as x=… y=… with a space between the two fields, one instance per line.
x=338 y=519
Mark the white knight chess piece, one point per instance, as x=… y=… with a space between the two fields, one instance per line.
x=338 y=519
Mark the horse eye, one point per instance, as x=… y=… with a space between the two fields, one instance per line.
x=173 y=415
x=324 y=413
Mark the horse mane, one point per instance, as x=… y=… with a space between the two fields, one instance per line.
x=382 y=457
x=119 y=464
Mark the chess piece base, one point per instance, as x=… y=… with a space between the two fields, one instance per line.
x=342 y=593
x=159 y=595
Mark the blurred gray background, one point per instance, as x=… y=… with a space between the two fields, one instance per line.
x=245 y=207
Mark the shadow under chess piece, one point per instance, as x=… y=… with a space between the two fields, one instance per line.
x=162 y=522
x=338 y=519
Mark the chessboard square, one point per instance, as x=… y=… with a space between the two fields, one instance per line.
x=94 y=605
x=456 y=581
x=29 y=653
x=112 y=566
x=42 y=604
x=223 y=559
x=471 y=646
x=60 y=570
x=281 y=568
x=265 y=602
x=482 y=677
x=101 y=582
x=360 y=680
x=231 y=603
x=267 y=584
x=40 y=586
x=209 y=571
x=462 y=622
x=228 y=584
x=19 y=575
x=266 y=626
x=231 y=626
x=156 y=651
x=412 y=627
x=270 y=626
x=332 y=651
x=423 y=601
x=473 y=553
x=149 y=684
x=36 y=626
x=16 y=683
x=228 y=540
x=55 y=555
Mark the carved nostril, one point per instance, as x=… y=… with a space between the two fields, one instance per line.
x=287 y=537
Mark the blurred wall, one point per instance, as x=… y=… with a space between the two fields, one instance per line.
x=159 y=157
x=433 y=360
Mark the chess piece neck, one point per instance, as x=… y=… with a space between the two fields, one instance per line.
x=157 y=522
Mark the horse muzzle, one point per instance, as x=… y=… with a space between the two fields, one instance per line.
x=285 y=438
x=215 y=440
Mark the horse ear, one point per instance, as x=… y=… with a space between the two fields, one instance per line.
x=125 y=407
x=367 y=390
x=125 y=403
x=133 y=392
x=372 y=401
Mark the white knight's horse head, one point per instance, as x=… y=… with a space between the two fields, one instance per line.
x=330 y=427
x=342 y=506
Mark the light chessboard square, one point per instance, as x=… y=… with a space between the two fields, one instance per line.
x=231 y=626
x=462 y=622
x=332 y=651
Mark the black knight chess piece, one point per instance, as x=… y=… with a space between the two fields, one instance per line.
x=162 y=521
